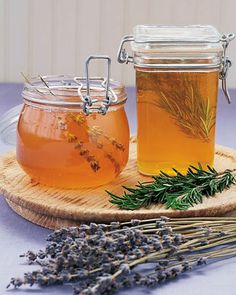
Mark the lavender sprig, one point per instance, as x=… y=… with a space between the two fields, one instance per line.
x=100 y=259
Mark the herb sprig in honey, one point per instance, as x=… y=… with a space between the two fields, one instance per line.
x=178 y=192
x=95 y=133
x=191 y=111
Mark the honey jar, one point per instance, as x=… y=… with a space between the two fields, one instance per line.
x=177 y=74
x=73 y=131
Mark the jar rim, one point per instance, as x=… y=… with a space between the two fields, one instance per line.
x=67 y=90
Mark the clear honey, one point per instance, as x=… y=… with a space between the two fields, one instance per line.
x=69 y=149
x=176 y=119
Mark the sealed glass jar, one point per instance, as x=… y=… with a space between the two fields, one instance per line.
x=73 y=132
x=177 y=74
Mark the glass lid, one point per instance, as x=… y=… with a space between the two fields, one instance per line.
x=161 y=33
x=91 y=94
x=194 y=38
x=8 y=125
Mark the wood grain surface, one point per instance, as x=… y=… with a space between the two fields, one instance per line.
x=55 y=208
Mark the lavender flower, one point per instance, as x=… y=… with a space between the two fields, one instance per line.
x=100 y=259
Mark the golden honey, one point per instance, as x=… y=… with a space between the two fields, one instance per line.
x=176 y=119
x=70 y=149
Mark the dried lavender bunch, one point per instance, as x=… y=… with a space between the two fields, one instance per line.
x=178 y=192
x=100 y=259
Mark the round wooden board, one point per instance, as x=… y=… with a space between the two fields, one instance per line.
x=55 y=208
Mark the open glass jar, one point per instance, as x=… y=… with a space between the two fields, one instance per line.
x=177 y=73
x=73 y=132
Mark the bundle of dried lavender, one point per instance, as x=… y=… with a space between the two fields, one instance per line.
x=100 y=259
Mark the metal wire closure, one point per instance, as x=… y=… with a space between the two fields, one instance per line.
x=123 y=56
x=90 y=105
x=226 y=64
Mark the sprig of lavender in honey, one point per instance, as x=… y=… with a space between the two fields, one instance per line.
x=79 y=145
x=100 y=259
x=179 y=192
x=95 y=132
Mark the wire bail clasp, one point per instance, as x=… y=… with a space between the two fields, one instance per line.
x=88 y=106
x=226 y=64
x=122 y=55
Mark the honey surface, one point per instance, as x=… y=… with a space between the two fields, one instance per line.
x=176 y=119
x=69 y=149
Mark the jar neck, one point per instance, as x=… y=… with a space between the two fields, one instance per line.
x=65 y=107
x=178 y=59
x=70 y=93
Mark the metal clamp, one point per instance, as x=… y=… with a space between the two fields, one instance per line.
x=123 y=56
x=88 y=102
x=226 y=64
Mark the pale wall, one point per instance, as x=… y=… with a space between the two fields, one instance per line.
x=55 y=36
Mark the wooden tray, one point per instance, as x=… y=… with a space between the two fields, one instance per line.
x=55 y=208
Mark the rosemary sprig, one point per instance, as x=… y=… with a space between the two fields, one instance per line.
x=191 y=110
x=179 y=192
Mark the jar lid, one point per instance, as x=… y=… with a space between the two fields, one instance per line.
x=161 y=33
x=92 y=94
x=8 y=125
x=190 y=39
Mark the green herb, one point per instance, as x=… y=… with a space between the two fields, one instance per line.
x=176 y=192
x=191 y=111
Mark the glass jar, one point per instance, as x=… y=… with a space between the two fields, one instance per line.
x=177 y=73
x=73 y=132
